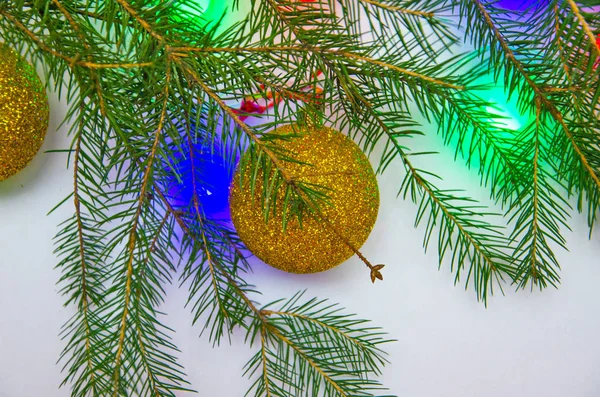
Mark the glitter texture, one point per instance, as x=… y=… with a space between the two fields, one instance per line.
x=24 y=112
x=333 y=161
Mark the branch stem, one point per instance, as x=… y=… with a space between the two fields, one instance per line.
x=133 y=233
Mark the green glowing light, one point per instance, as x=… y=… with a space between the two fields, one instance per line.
x=505 y=113
x=204 y=13
x=504 y=118
x=209 y=10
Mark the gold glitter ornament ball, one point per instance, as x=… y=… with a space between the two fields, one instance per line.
x=24 y=112
x=331 y=160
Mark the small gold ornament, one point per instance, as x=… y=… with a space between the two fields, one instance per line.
x=24 y=112
x=331 y=160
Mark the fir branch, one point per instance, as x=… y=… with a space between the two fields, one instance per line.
x=476 y=242
x=154 y=382
x=586 y=27
x=204 y=243
x=367 y=341
x=401 y=27
x=539 y=92
x=464 y=123
x=71 y=61
x=84 y=303
x=539 y=214
x=338 y=326
x=151 y=359
x=247 y=130
x=132 y=234
x=577 y=101
x=83 y=275
x=143 y=23
x=226 y=292
x=561 y=47
x=307 y=49
x=573 y=155
x=300 y=333
x=398 y=9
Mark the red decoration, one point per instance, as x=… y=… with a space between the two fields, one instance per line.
x=252 y=104
x=597 y=45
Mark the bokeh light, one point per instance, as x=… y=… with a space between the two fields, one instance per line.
x=504 y=112
x=209 y=10
x=208 y=13
x=213 y=177
x=518 y=5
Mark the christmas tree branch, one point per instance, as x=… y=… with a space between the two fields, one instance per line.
x=579 y=99
x=535 y=216
x=71 y=61
x=344 y=335
x=93 y=73
x=306 y=49
x=298 y=338
x=539 y=92
x=85 y=289
x=247 y=130
x=152 y=377
x=595 y=51
x=268 y=330
x=570 y=150
x=84 y=302
x=143 y=23
x=199 y=215
x=561 y=50
x=487 y=262
x=392 y=8
x=133 y=234
x=475 y=138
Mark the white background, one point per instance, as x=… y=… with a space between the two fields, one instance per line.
x=524 y=344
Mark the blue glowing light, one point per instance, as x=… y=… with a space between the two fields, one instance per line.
x=213 y=177
x=518 y=5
